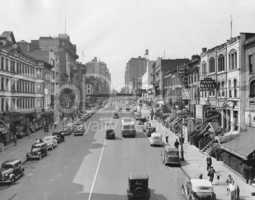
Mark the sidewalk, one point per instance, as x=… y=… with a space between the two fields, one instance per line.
x=23 y=146
x=195 y=164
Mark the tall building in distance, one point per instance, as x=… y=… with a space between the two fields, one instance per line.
x=135 y=69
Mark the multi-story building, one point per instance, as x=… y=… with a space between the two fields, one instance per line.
x=64 y=50
x=135 y=69
x=220 y=69
x=164 y=69
x=22 y=98
x=192 y=90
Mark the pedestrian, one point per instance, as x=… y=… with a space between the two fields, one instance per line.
x=246 y=171
x=211 y=173
x=208 y=162
x=200 y=176
x=176 y=144
x=15 y=139
x=167 y=139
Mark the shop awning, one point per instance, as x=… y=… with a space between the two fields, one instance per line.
x=242 y=145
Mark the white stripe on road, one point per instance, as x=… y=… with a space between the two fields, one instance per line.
x=97 y=170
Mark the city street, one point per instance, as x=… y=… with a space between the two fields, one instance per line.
x=90 y=167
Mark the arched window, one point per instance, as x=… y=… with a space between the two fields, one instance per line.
x=232 y=59
x=252 y=89
x=221 y=63
x=211 y=65
x=203 y=68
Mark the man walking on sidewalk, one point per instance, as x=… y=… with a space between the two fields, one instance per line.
x=211 y=173
x=208 y=162
x=176 y=144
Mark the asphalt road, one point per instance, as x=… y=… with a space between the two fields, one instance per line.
x=91 y=168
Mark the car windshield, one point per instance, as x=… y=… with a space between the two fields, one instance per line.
x=7 y=166
x=128 y=127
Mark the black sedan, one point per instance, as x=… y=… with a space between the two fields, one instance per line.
x=110 y=134
x=60 y=137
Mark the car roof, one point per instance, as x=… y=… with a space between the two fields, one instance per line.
x=11 y=162
x=39 y=144
x=200 y=182
x=156 y=134
x=138 y=176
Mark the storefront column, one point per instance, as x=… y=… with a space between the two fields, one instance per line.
x=232 y=124
x=222 y=119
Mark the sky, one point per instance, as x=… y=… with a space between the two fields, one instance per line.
x=116 y=30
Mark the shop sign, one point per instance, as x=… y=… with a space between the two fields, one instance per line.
x=199 y=111
x=208 y=84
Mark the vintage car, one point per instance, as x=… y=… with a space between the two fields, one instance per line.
x=38 y=151
x=156 y=139
x=11 y=170
x=51 y=142
x=67 y=130
x=110 y=134
x=79 y=130
x=115 y=115
x=170 y=156
x=198 y=189
x=138 y=187
x=60 y=137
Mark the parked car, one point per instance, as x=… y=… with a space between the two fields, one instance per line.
x=196 y=189
x=11 y=170
x=51 y=142
x=115 y=115
x=79 y=130
x=156 y=139
x=38 y=151
x=138 y=187
x=110 y=134
x=59 y=136
x=67 y=130
x=170 y=156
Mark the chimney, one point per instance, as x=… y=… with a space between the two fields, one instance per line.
x=204 y=50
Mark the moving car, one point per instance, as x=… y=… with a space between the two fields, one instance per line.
x=51 y=142
x=138 y=187
x=156 y=139
x=115 y=116
x=170 y=156
x=38 y=151
x=60 y=137
x=110 y=134
x=197 y=189
x=11 y=170
x=128 y=128
x=79 y=130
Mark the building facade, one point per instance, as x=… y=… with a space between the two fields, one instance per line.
x=22 y=97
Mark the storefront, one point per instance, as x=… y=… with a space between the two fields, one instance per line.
x=239 y=150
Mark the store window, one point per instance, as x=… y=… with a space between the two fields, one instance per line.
x=235 y=88
x=229 y=88
x=251 y=63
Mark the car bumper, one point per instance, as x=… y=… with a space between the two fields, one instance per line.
x=156 y=143
x=128 y=133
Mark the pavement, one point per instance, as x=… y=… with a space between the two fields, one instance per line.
x=195 y=164
x=90 y=167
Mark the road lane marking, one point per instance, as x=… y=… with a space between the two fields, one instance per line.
x=97 y=170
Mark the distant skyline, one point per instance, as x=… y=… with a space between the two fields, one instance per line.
x=116 y=30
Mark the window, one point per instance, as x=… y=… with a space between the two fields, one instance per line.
x=252 y=89
x=211 y=65
x=223 y=88
x=221 y=63
x=204 y=68
x=2 y=63
x=251 y=63
x=233 y=59
x=235 y=88
x=6 y=64
x=229 y=88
